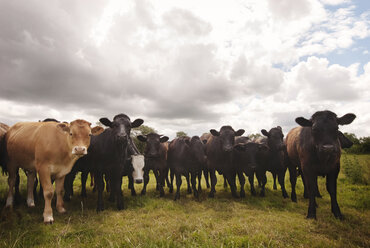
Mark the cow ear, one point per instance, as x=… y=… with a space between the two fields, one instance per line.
x=163 y=139
x=279 y=127
x=264 y=132
x=137 y=123
x=214 y=132
x=97 y=130
x=346 y=119
x=187 y=141
x=239 y=147
x=142 y=138
x=239 y=132
x=64 y=127
x=303 y=122
x=106 y=122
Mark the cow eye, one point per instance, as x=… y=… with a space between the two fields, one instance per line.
x=90 y=134
x=70 y=134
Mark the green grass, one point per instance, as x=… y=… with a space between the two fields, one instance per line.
x=150 y=221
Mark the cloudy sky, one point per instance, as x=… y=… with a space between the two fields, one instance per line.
x=186 y=65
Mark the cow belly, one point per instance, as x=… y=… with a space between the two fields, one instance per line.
x=60 y=170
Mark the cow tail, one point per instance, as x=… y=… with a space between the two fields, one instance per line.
x=3 y=156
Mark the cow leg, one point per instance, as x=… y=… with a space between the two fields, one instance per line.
x=317 y=193
x=171 y=178
x=131 y=184
x=68 y=186
x=178 y=185
x=311 y=188
x=242 y=183
x=59 y=188
x=17 y=194
x=188 y=182
x=156 y=179
x=12 y=171
x=48 y=191
x=194 y=183
x=205 y=172
x=146 y=181
x=263 y=180
x=100 y=185
x=331 y=186
x=305 y=191
x=274 y=176
x=30 y=185
x=212 y=173
x=84 y=175
x=199 y=174
x=251 y=183
x=230 y=177
x=35 y=187
x=167 y=180
x=225 y=182
x=116 y=180
x=92 y=180
x=293 y=181
x=161 y=177
x=281 y=179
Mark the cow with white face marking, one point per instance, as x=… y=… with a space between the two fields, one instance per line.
x=315 y=148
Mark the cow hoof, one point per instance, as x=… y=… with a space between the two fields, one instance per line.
x=61 y=210
x=30 y=203
x=120 y=207
x=311 y=216
x=171 y=190
x=211 y=195
x=99 y=209
x=143 y=192
x=294 y=198
x=48 y=220
x=262 y=194
x=339 y=216
x=242 y=194
x=285 y=195
x=133 y=193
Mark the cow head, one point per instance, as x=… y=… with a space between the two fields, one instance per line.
x=324 y=131
x=137 y=162
x=153 y=142
x=253 y=152
x=79 y=134
x=275 y=138
x=197 y=149
x=121 y=127
x=227 y=137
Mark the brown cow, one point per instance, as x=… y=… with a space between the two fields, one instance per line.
x=3 y=129
x=50 y=149
x=315 y=148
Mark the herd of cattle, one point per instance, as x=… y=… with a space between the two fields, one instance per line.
x=57 y=151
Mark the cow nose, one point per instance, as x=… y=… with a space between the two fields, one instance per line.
x=79 y=150
x=228 y=148
x=138 y=181
x=328 y=147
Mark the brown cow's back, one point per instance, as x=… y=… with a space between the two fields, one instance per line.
x=292 y=144
x=41 y=141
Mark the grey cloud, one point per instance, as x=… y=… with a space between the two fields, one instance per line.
x=186 y=23
x=290 y=9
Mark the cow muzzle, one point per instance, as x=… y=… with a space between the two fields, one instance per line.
x=79 y=150
x=138 y=181
x=327 y=148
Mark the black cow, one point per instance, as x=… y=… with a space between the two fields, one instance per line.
x=250 y=158
x=107 y=155
x=315 y=148
x=155 y=159
x=276 y=155
x=219 y=151
x=186 y=156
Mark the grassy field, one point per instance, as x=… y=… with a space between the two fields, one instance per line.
x=150 y=221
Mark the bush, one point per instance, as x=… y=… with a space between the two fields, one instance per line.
x=354 y=171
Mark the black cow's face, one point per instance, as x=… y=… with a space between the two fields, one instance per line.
x=153 y=142
x=252 y=153
x=197 y=149
x=227 y=137
x=324 y=130
x=275 y=138
x=121 y=126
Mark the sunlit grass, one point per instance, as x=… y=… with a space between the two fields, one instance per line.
x=150 y=221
